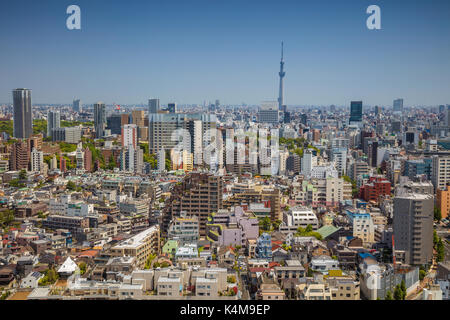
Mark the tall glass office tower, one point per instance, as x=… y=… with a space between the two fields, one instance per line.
x=23 y=122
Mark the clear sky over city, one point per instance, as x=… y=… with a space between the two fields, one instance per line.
x=191 y=51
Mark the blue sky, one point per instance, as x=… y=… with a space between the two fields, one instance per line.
x=191 y=51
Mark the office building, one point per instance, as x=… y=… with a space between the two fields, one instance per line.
x=153 y=106
x=268 y=112
x=99 y=119
x=355 y=112
x=398 y=105
x=116 y=121
x=76 y=105
x=172 y=107
x=67 y=134
x=53 y=121
x=162 y=126
x=23 y=122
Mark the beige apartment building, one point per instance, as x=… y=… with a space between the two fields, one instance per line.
x=140 y=246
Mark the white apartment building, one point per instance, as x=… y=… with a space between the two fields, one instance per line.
x=300 y=217
x=129 y=135
x=65 y=206
x=37 y=161
x=440 y=171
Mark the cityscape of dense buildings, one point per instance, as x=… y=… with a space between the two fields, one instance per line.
x=211 y=201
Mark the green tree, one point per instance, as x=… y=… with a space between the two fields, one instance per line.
x=398 y=294
x=437 y=214
x=22 y=174
x=403 y=289
x=276 y=224
x=111 y=163
x=422 y=274
x=265 y=223
x=435 y=238
x=440 y=251
x=71 y=186
x=82 y=267
x=389 y=296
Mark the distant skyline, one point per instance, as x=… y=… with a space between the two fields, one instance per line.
x=191 y=51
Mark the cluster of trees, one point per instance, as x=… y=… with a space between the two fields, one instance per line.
x=355 y=190
x=5 y=295
x=308 y=232
x=266 y=224
x=74 y=123
x=437 y=214
x=50 y=277
x=422 y=273
x=6 y=218
x=399 y=292
x=439 y=247
x=67 y=147
x=148 y=263
x=39 y=125
x=6 y=126
x=71 y=186
x=83 y=266
x=162 y=265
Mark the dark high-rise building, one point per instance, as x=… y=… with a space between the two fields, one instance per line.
x=99 y=119
x=293 y=163
x=287 y=117
x=76 y=106
x=355 y=111
x=398 y=105
x=377 y=110
x=114 y=123
x=304 y=119
x=53 y=121
x=413 y=227
x=172 y=107
x=23 y=122
x=153 y=106
x=198 y=195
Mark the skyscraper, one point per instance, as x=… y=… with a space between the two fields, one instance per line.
x=53 y=121
x=172 y=107
x=398 y=105
x=76 y=106
x=99 y=119
x=281 y=74
x=23 y=123
x=355 y=111
x=153 y=105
